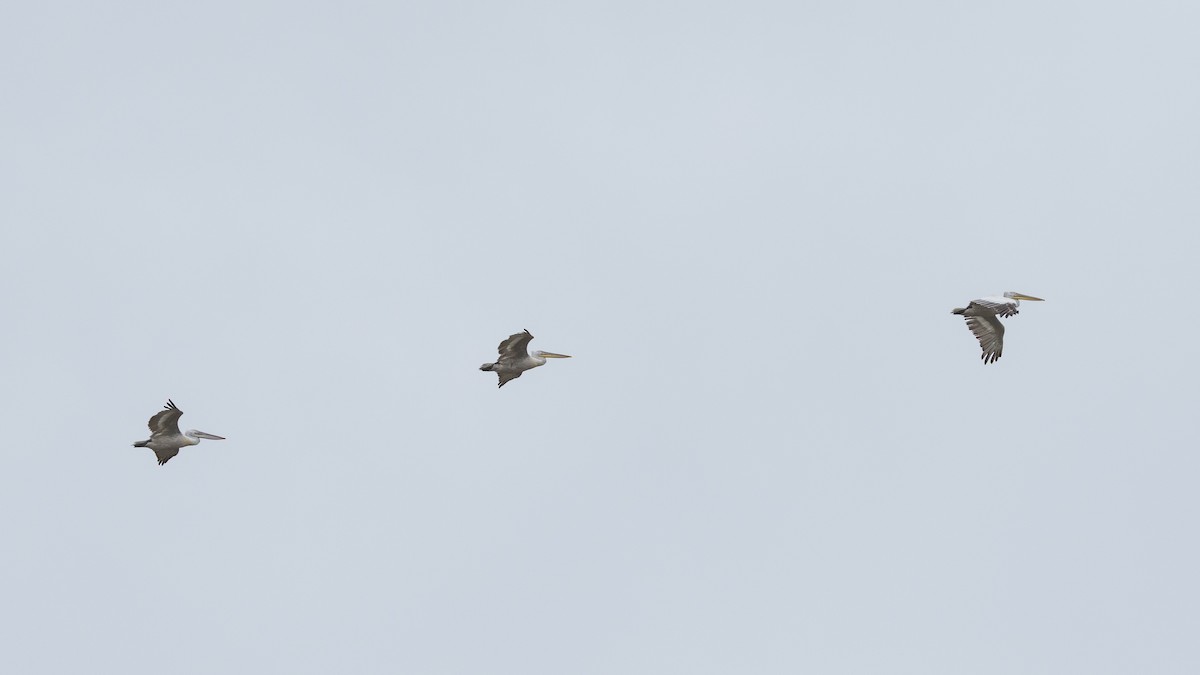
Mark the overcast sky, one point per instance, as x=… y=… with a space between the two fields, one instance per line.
x=775 y=450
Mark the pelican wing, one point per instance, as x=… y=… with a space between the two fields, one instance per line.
x=1000 y=306
x=166 y=423
x=516 y=347
x=508 y=375
x=165 y=455
x=990 y=333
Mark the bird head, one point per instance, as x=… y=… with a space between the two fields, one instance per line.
x=203 y=434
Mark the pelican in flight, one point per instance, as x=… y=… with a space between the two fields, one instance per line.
x=165 y=438
x=516 y=359
x=983 y=319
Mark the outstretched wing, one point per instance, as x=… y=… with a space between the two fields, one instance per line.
x=515 y=348
x=164 y=455
x=999 y=306
x=990 y=333
x=166 y=423
x=507 y=375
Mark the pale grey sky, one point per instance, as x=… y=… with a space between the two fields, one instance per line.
x=775 y=450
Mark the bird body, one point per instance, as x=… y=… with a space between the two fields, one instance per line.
x=515 y=358
x=166 y=439
x=982 y=318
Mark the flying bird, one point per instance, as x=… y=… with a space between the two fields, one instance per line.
x=983 y=319
x=516 y=359
x=165 y=438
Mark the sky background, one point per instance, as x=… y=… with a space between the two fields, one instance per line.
x=775 y=450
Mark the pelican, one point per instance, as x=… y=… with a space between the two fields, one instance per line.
x=165 y=438
x=516 y=359
x=982 y=318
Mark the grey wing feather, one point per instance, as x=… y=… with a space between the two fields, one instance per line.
x=165 y=455
x=990 y=333
x=166 y=421
x=507 y=376
x=1004 y=309
x=516 y=346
